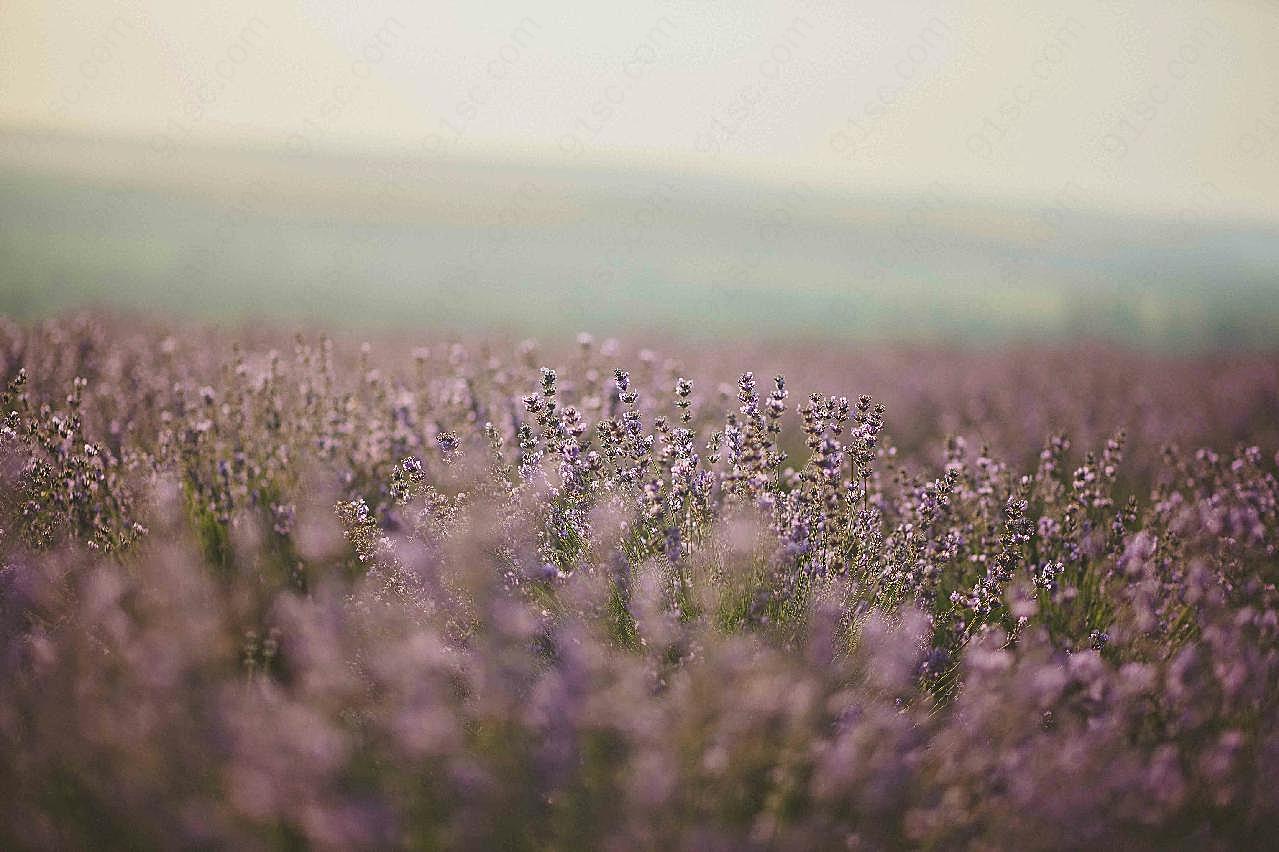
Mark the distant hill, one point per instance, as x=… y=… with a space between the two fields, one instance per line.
x=395 y=241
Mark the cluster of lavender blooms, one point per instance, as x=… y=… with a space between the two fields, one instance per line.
x=256 y=594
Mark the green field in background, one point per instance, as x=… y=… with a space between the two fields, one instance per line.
x=464 y=247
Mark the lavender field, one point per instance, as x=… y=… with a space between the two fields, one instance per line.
x=657 y=426
x=259 y=591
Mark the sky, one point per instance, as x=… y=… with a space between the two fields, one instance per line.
x=1171 y=108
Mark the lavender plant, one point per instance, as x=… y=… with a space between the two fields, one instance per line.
x=262 y=594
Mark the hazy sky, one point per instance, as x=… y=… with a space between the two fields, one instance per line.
x=1165 y=106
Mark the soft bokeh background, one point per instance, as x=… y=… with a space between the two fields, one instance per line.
x=963 y=171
